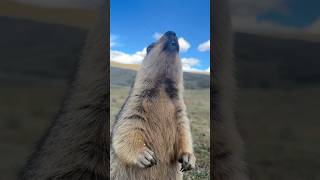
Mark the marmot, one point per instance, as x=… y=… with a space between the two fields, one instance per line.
x=151 y=138
x=76 y=146
x=227 y=145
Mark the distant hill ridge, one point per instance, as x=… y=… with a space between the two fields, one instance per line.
x=274 y=62
x=125 y=77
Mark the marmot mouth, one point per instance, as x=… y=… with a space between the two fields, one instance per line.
x=171 y=44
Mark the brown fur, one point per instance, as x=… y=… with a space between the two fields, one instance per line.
x=153 y=118
x=76 y=146
x=227 y=155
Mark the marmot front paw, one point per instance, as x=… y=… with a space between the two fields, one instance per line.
x=187 y=161
x=146 y=158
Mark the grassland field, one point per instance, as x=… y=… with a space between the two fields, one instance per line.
x=279 y=127
x=26 y=112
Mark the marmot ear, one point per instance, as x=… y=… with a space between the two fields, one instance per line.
x=150 y=47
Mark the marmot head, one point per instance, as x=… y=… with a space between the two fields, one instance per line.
x=162 y=60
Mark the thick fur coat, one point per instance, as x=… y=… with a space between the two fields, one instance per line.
x=151 y=138
x=77 y=144
x=227 y=145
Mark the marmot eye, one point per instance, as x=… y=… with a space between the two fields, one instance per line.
x=150 y=47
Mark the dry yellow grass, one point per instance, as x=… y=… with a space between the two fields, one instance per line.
x=125 y=66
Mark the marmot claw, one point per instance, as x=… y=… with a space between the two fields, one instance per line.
x=187 y=161
x=146 y=159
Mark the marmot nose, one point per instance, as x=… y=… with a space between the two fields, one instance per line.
x=170 y=34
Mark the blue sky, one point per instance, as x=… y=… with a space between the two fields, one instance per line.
x=134 y=25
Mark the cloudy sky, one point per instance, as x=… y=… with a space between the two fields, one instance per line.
x=141 y=22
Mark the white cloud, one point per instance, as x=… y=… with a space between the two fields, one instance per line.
x=157 y=35
x=204 y=46
x=190 y=61
x=184 y=44
x=122 y=57
x=113 y=39
x=188 y=64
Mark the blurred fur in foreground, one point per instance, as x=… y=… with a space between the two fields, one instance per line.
x=227 y=147
x=76 y=146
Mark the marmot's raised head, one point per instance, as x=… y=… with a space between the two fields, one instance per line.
x=162 y=60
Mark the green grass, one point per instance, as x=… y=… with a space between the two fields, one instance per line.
x=198 y=105
x=25 y=113
x=281 y=128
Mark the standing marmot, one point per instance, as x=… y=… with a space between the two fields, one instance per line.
x=76 y=146
x=151 y=138
x=226 y=143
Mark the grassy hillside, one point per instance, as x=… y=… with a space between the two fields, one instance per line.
x=134 y=67
x=274 y=62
